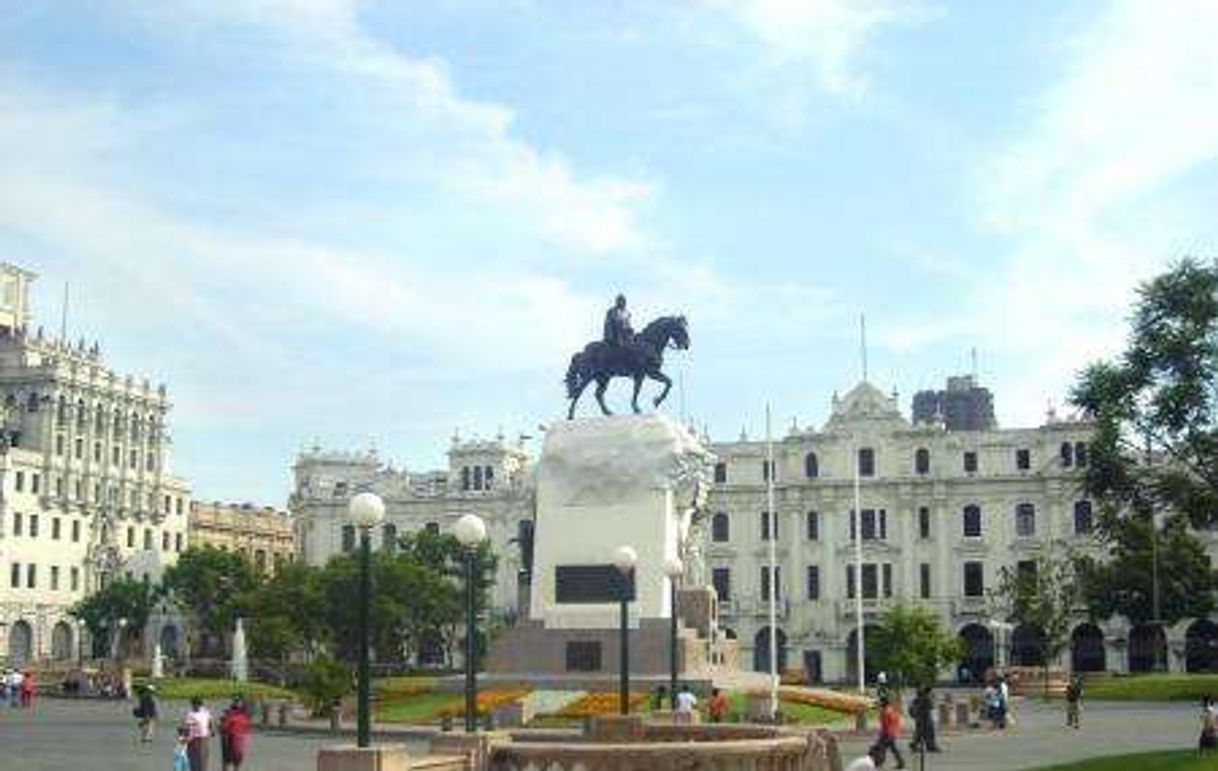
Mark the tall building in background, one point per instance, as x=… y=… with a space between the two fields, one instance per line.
x=264 y=534
x=86 y=493
x=962 y=406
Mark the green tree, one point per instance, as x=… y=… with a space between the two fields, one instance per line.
x=103 y=610
x=1124 y=583
x=1156 y=406
x=207 y=584
x=325 y=682
x=444 y=557
x=1045 y=595
x=911 y=645
x=286 y=612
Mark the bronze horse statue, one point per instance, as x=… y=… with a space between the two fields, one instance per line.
x=643 y=357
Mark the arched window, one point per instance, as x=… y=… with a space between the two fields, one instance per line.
x=1082 y=518
x=487 y=475
x=1025 y=520
x=81 y=415
x=720 y=473
x=811 y=468
x=465 y=477
x=389 y=537
x=972 y=521
x=348 y=538
x=922 y=461
x=1080 y=454
x=61 y=412
x=1067 y=453
x=813 y=526
x=720 y=527
x=477 y=477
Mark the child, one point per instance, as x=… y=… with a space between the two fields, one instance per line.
x=181 y=762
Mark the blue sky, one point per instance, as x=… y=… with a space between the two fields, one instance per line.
x=376 y=222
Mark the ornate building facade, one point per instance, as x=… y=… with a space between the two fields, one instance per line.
x=943 y=511
x=85 y=487
x=265 y=535
x=489 y=478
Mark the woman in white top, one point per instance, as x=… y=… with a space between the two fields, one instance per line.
x=198 y=723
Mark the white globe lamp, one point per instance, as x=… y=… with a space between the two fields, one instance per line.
x=366 y=510
x=625 y=558
x=470 y=530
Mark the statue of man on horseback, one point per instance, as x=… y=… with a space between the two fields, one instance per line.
x=621 y=353
x=617 y=323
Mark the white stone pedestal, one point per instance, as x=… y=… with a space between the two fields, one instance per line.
x=622 y=480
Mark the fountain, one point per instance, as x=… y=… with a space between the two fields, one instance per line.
x=240 y=666
x=158 y=662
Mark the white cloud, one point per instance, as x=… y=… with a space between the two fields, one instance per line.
x=465 y=145
x=826 y=38
x=1105 y=187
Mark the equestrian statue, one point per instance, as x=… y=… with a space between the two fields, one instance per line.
x=622 y=353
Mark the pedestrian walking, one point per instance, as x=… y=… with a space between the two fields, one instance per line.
x=922 y=709
x=146 y=713
x=15 y=679
x=27 y=690
x=234 y=735
x=716 y=706
x=1206 y=741
x=198 y=725
x=181 y=756
x=686 y=703
x=1074 y=701
x=890 y=731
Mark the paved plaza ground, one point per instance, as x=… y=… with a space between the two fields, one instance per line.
x=1040 y=737
x=63 y=735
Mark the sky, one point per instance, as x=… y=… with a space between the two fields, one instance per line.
x=373 y=224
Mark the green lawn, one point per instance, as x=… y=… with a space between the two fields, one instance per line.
x=418 y=707
x=1154 y=687
x=186 y=688
x=1180 y=760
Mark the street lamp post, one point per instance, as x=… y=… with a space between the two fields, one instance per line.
x=365 y=511
x=625 y=558
x=673 y=569
x=80 y=643
x=470 y=531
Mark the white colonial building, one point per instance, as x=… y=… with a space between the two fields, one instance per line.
x=85 y=487
x=490 y=478
x=947 y=501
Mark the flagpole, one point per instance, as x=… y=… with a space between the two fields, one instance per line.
x=773 y=533
x=860 y=659
x=860 y=655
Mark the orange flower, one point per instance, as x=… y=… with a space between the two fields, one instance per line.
x=602 y=703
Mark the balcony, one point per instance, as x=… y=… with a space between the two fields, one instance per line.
x=872 y=607
x=753 y=607
x=970 y=606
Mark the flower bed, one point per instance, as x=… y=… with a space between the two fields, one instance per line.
x=600 y=704
x=488 y=701
x=830 y=700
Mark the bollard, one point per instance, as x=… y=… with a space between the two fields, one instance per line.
x=962 y=715
x=945 y=714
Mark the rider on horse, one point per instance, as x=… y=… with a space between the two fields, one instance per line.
x=617 y=324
